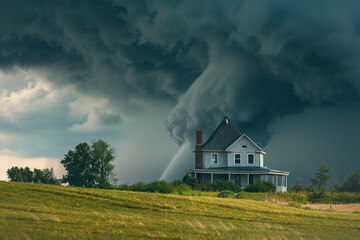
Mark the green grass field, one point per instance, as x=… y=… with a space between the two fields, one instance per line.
x=35 y=211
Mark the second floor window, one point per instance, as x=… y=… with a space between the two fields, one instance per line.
x=250 y=158
x=237 y=158
x=214 y=158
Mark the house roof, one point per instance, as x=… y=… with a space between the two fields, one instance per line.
x=223 y=136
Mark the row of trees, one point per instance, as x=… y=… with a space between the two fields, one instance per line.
x=321 y=180
x=45 y=176
x=86 y=166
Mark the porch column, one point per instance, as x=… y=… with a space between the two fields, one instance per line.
x=248 y=179
x=212 y=177
x=229 y=177
x=195 y=175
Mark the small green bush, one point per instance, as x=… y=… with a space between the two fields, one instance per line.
x=191 y=181
x=226 y=194
x=261 y=186
x=301 y=188
x=139 y=187
x=222 y=185
x=105 y=185
x=160 y=187
x=182 y=188
x=242 y=195
x=318 y=197
x=206 y=187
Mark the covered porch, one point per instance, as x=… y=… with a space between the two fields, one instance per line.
x=243 y=177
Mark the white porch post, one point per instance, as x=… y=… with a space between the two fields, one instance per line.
x=195 y=174
x=212 y=177
x=229 y=177
x=248 y=179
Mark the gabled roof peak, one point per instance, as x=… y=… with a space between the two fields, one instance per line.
x=224 y=135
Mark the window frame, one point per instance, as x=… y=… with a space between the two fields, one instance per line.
x=217 y=159
x=252 y=159
x=235 y=159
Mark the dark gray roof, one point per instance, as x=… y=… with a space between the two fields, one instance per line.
x=223 y=136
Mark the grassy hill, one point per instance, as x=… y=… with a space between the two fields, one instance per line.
x=35 y=211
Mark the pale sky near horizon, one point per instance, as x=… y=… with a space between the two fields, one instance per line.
x=145 y=75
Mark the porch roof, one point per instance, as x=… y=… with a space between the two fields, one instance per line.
x=241 y=170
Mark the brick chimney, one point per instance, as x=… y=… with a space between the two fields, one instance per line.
x=198 y=157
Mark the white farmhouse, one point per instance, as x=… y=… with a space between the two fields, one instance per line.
x=231 y=155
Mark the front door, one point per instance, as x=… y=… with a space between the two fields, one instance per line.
x=238 y=179
x=251 y=179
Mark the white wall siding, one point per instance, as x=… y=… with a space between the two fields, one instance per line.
x=222 y=160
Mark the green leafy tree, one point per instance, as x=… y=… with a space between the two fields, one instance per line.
x=80 y=166
x=49 y=177
x=102 y=155
x=352 y=183
x=38 y=175
x=321 y=178
x=28 y=175
x=14 y=174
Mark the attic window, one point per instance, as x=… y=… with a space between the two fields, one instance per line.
x=244 y=146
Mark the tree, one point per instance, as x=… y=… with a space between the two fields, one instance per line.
x=102 y=155
x=48 y=177
x=352 y=183
x=14 y=174
x=80 y=166
x=321 y=177
x=28 y=175
x=87 y=165
x=38 y=175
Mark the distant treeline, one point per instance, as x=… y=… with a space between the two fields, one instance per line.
x=45 y=175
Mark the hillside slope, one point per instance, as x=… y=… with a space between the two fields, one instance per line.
x=35 y=211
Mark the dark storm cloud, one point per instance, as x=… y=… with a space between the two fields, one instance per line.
x=255 y=61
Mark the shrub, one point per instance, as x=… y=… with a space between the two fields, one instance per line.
x=222 y=185
x=261 y=186
x=242 y=195
x=161 y=187
x=105 y=185
x=301 y=188
x=139 y=187
x=352 y=183
x=177 y=182
x=345 y=198
x=182 y=188
x=191 y=181
x=226 y=194
x=207 y=187
x=318 y=197
x=124 y=187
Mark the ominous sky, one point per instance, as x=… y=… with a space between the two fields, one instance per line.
x=144 y=75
